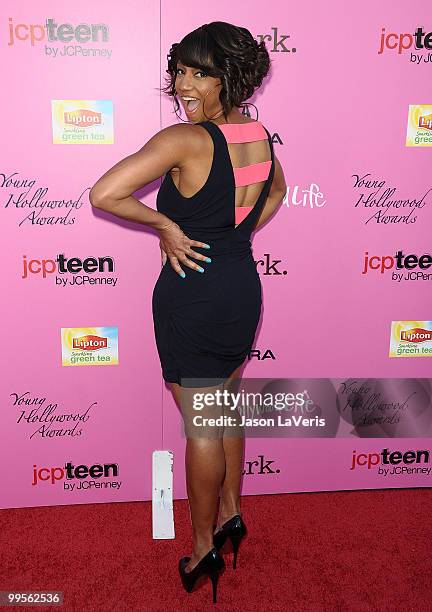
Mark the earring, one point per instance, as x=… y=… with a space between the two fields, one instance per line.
x=221 y=113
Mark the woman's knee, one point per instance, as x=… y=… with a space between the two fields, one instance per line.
x=202 y=410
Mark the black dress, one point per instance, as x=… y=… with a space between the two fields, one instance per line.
x=205 y=323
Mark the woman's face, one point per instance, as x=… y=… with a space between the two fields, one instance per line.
x=194 y=83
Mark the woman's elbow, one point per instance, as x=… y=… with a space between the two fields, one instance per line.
x=96 y=198
x=278 y=193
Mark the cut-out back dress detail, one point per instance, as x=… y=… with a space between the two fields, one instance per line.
x=205 y=323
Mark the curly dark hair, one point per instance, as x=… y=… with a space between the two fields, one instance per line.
x=225 y=51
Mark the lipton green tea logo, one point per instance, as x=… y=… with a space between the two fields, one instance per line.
x=419 y=126
x=90 y=343
x=83 y=117
x=89 y=346
x=82 y=121
x=411 y=339
x=417 y=334
x=426 y=122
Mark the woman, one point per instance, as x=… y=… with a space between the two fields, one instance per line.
x=221 y=182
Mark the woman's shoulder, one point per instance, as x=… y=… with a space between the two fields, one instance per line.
x=250 y=120
x=195 y=134
x=183 y=130
x=187 y=138
x=184 y=135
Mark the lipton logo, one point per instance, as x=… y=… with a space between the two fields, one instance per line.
x=83 y=117
x=426 y=122
x=89 y=343
x=417 y=334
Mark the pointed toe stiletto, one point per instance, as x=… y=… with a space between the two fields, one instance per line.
x=211 y=564
x=234 y=529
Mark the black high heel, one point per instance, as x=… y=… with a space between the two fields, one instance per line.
x=211 y=564
x=234 y=529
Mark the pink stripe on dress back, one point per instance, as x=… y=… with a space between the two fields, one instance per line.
x=243 y=132
x=241 y=212
x=253 y=173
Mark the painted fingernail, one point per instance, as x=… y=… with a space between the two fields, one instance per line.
x=200 y=269
x=182 y=274
x=206 y=246
x=208 y=259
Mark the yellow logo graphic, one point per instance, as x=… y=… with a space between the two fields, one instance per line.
x=411 y=339
x=89 y=346
x=419 y=127
x=82 y=121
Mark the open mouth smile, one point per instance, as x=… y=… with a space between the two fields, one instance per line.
x=190 y=104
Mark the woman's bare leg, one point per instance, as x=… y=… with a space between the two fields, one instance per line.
x=234 y=455
x=205 y=470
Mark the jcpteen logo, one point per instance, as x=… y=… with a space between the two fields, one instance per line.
x=399 y=43
x=66 y=34
x=53 y=475
x=400 y=261
x=395 y=458
x=45 y=268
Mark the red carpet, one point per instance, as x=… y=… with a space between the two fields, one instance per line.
x=347 y=551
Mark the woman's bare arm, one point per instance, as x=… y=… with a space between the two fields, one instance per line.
x=170 y=147
x=113 y=191
x=275 y=196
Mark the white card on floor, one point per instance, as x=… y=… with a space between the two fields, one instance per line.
x=162 y=499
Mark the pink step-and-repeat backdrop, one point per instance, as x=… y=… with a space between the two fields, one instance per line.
x=345 y=263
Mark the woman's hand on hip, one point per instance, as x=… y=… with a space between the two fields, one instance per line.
x=177 y=247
